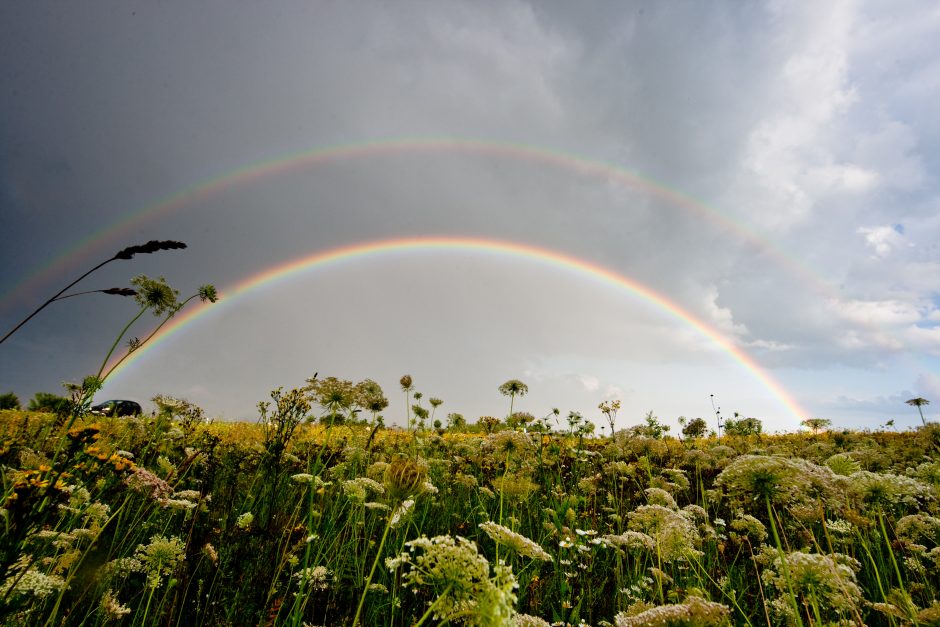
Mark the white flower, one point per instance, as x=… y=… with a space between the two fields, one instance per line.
x=244 y=520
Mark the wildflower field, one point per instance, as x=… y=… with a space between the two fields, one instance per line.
x=170 y=520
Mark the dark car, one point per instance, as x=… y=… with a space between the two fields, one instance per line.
x=117 y=408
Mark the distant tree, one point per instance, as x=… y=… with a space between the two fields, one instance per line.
x=695 y=428
x=456 y=422
x=743 y=426
x=610 y=409
x=816 y=424
x=918 y=403
x=519 y=419
x=512 y=389
x=488 y=423
x=44 y=401
x=9 y=401
x=653 y=427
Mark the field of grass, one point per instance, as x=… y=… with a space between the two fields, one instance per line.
x=168 y=520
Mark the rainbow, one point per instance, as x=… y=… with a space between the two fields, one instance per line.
x=332 y=257
x=116 y=234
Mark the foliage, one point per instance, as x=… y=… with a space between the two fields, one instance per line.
x=743 y=426
x=695 y=428
x=816 y=424
x=651 y=427
x=9 y=401
x=46 y=401
x=173 y=519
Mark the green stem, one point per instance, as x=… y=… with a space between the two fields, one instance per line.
x=118 y=339
x=48 y=302
x=375 y=563
x=783 y=561
x=146 y=339
x=431 y=607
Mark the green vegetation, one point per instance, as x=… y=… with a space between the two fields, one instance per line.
x=315 y=516
x=9 y=401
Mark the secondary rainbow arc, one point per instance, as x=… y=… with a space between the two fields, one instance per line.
x=260 y=170
x=325 y=258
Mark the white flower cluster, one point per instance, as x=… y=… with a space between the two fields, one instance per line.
x=160 y=558
x=358 y=489
x=514 y=541
x=828 y=580
x=460 y=579
x=674 y=534
x=27 y=581
x=313 y=578
x=694 y=611
x=244 y=520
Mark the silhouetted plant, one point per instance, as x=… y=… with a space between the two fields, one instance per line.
x=918 y=403
x=512 y=389
x=610 y=409
x=128 y=253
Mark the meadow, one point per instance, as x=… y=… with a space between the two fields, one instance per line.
x=303 y=519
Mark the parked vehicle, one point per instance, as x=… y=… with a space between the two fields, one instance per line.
x=117 y=408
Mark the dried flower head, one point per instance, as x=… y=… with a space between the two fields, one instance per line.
x=747 y=525
x=918 y=528
x=403 y=478
x=150 y=247
x=515 y=488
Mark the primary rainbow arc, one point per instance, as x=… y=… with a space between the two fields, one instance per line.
x=326 y=258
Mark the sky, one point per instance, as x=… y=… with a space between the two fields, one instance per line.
x=677 y=205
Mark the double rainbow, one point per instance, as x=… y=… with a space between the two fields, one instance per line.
x=323 y=260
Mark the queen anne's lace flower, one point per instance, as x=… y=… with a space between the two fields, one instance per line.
x=885 y=490
x=460 y=578
x=674 y=534
x=160 y=558
x=313 y=578
x=693 y=612
x=514 y=541
x=753 y=478
x=918 y=528
x=829 y=581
